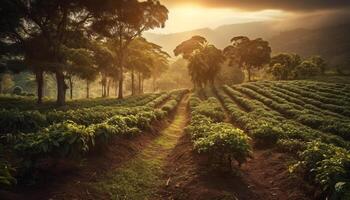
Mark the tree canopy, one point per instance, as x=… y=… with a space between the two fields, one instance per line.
x=204 y=60
x=55 y=36
x=248 y=54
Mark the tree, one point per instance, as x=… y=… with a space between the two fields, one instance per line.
x=283 y=65
x=307 y=69
x=160 y=65
x=58 y=23
x=204 y=60
x=80 y=62
x=248 y=54
x=146 y=58
x=319 y=62
x=125 y=20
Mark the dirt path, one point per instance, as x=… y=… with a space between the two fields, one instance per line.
x=141 y=177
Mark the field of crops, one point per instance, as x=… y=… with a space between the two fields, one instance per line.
x=308 y=120
x=29 y=137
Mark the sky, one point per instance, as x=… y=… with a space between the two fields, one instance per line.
x=187 y=15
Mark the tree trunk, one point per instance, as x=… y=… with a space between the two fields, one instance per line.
x=121 y=71
x=249 y=74
x=116 y=87
x=61 y=89
x=142 y=84
x=212 y=82
x=70 y=87
x=103 y=84
x=120 y=92
x=132 y=82
x=154 y=84
x=108 y=87
x=87 y=89
x=139 y=90
x=40 y=85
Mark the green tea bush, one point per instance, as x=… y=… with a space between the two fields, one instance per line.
x=327 y=166
x=216 y=139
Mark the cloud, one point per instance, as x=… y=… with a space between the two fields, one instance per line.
x=287 y=5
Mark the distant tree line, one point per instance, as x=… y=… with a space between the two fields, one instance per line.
x=81 y=38
x=205 y=60
x=286 y=66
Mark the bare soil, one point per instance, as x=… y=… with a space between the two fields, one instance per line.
x=263 y=177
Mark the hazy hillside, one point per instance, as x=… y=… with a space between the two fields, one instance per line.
x=220 y=36
x=332 y=42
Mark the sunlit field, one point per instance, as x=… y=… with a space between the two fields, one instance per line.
x=177 y=100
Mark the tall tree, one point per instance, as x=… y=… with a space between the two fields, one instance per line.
x=80 y=62
x=147 y=58
x=57 y=22
x=105 y=62
x=204 y=60
x=125 y=20
x=248 y=54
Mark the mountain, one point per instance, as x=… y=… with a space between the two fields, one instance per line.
x=220 y=36
x=330 y=41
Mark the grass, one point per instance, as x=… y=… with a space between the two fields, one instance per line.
x=140 y=177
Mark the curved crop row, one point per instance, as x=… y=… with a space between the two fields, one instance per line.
x=340 y=109
x=311 y=95
x=325 y=124
x=268 y=126
x=321 y=162
x=300 y=103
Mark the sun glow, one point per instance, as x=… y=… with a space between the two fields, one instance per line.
x=192 y=16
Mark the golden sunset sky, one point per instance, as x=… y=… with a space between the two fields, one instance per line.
x=194 y=14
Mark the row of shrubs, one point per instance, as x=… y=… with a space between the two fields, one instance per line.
x=267 y=124
x=298 y=102
x=25 y=103
x=316 y=120
x=325 y=100
x=70 y=140
x=329 y=90
x=323 y=159
x=29 y=121
x=220 y=141
x=340 y=109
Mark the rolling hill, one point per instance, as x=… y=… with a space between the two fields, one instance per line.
x=330 y=41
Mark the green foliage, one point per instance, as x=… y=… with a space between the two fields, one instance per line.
x=307 y=69
x=6 y=171
x=289 y=114
x=248 y=54
x=17 y=90
x=222 y=138
x=74 y=133
x=17 y=121
x=212 y=109
x=6 y=179
x=328 y=166
x=214 y=138
x=204 y=60
x=290 y=66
